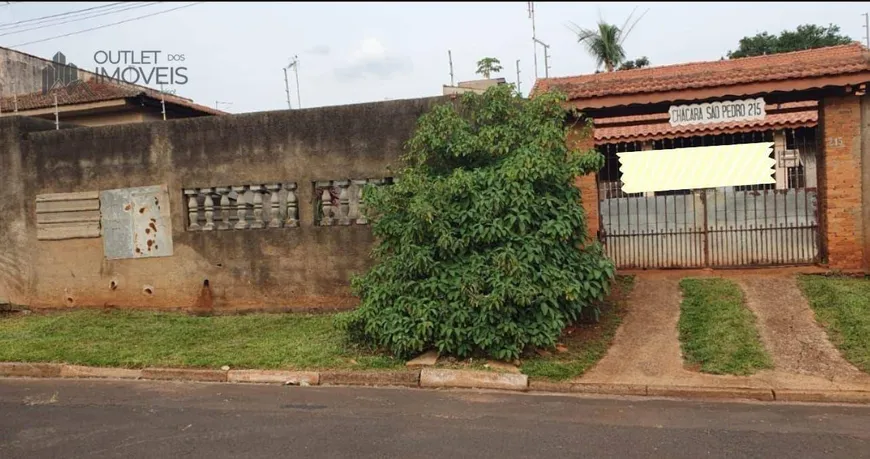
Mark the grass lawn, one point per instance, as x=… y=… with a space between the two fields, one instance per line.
x=717 y=330
x=842 y=306
x=586 y=342
x=137 y=339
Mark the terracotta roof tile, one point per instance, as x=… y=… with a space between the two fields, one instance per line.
x=83 y=92
x=834 y=60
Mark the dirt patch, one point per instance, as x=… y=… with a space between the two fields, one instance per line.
x=789 y=330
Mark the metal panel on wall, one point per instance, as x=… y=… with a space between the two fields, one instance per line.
x=136 y=222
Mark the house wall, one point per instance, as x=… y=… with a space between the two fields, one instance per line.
x=844 y=182
x=308 y=266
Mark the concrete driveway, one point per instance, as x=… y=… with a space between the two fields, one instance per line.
x=646 y=348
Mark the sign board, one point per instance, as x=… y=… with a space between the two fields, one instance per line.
x=717 y=112
x=136 y=222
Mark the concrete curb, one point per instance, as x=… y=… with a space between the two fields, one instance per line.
x=728 y=393
x=30 y=370
x=289 y=378
x=371 y=378
x=184 y=374
x=846 y=396
x=430 y=378
x=438 y=378
x=78 y=371
x=587 y=388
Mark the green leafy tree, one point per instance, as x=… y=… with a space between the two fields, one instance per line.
x=487 y=66
x=482 y=241
x=807 y=36
x=638 y=63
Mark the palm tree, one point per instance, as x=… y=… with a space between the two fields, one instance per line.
x=488 y=65
x=604 y=43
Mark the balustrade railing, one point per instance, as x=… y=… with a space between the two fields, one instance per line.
x=341 y=202
x=242 y=207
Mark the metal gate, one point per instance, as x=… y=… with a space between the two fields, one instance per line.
x=752 y=225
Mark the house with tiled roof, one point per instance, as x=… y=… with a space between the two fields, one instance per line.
x=730 y=163
x=55 y=90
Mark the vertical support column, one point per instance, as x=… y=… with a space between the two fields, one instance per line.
x=292 y=209
x=274 y=219
x=225 y=208
x=192 y=210
x=241 y=208
x=361 y=206
x=343 y=202
x=840 y=183
x=865 y=175
x=581 y=138
x=209 y=209
x=258 y=207
x=326 y=207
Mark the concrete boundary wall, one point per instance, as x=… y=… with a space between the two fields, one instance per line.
x=272 y=268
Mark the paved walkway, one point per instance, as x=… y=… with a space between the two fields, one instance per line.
x=646 y=348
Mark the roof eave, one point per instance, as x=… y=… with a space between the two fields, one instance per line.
x=748 y=89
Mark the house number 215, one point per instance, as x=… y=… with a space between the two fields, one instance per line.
x=835 y=141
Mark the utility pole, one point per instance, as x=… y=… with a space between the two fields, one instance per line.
x=867 y=28
x=519 y=91
x=450 y=58
x=56 y=116
x=534 y=37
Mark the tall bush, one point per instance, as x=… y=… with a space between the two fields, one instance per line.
x=482 y=241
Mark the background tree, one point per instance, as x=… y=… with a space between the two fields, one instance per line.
x=487 y=66
x=605 y=42
x=638 y=63
x=807 y=36
x=482 y=242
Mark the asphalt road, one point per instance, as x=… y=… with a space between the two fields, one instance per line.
x=142 y=419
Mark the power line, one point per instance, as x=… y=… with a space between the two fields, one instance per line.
x=61 y=14
x=133 y=7
x=106 y=25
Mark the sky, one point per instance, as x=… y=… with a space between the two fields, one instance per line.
x=234 y=53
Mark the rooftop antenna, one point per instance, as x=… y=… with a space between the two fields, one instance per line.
x=867 y=28
x=450 y=58
x=295 y=65
x=217 y=102
x=287 y=88
x=162 y=103
x=519 y=91
x=534 y=37
x=546 y=58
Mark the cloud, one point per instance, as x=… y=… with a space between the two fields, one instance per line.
x=371 y=58
x=320 y=50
